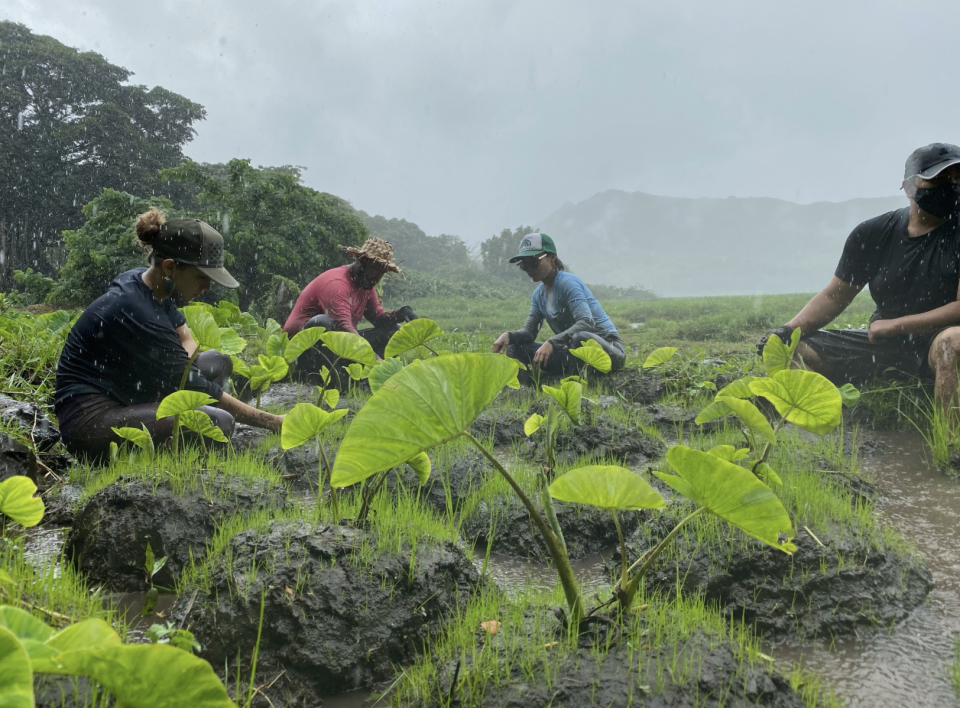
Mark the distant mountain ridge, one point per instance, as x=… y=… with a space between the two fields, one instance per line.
x=680 y=246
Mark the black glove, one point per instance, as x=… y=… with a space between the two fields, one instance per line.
x=405 y=314
x=784 y=333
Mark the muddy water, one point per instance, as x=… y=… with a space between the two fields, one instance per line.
x=909 y=665
x=514 y=576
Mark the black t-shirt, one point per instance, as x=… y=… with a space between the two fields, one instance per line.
x=125 y=344
x=906 y=275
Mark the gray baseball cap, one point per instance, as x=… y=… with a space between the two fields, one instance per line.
x=194 y=242
x=930 y=160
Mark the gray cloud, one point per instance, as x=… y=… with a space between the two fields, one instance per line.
x=467 y=117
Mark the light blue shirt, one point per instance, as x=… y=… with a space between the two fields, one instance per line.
x=569 y=307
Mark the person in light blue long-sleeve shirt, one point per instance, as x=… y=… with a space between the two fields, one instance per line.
x=568 y=306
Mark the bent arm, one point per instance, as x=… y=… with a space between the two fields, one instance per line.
x=929 y=322
x=528 y=333
x=825 y=306
x=248 y=415
x=186 y=340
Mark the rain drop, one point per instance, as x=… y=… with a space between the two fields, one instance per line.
x=20 y=121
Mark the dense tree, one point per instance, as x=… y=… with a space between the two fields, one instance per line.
x=70 y=126
x=103 y=247
x=414 y=249
x=497 y=251
x=272 y=224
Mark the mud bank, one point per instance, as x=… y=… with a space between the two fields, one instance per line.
x=332 y=620
x=111 y=529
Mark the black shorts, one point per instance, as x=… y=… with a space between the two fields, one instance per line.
x=851 y=357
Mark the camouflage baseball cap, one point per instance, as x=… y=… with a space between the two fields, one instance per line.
x=194 y=242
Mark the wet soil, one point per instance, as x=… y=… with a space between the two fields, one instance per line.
x=586 y=529
x=636 y=387
x=605 y=439
x=111 y=529
x=331 y=621
x=457 y=482
x=31 y=421
x=824 y=591
x=633 y=673
x=16 y=460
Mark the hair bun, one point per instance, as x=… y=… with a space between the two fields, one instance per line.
x=148 y=225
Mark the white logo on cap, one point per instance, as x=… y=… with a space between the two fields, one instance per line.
x=531 y=242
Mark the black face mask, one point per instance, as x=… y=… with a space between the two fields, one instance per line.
x=942 y=201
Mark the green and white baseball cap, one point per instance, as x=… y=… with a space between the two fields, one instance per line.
x=533 y=245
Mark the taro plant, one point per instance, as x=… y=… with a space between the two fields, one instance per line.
x=151 y=566
x=18 y=503
x=306 y=422
x=269 y=369
x=803 y=398
x=169 y=634
x=137 y=676
x=431 y=402
x=181 y=405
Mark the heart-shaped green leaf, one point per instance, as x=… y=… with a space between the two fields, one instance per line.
x=568 y=396
x=849 y=394
x=777 y=354
x=412 y=335
x=606 y=487
x=427 y=404
x=347 y=345
x=180 y=401
x=737 y=389
x=382 y=372
x=200 y=423
x=331 y=397
x=717 y=409
x=752 y=418
x=230 y=341
x=590 y=352
x=420 y=463
x=304 y=422
x=532 y=424
x=138 y=436
x=17 y=502
x=804 y=398
x=301 y=341
x=276 y=344
x=732 y=493
x=240 y=367
x=659 y=356
x=202 y=326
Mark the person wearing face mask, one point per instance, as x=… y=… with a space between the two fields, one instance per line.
x=910 y=260
x=130 y=347
x=568 y=306
x=338 y=298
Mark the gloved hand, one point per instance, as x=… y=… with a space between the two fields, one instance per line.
x=784 y=332
x=405 y=314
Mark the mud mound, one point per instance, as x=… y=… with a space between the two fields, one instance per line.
x=503 y=429
x=586 y=529
x=824 y=591
x=461 y=478
x=246 y=437
x=109 y=537
x=670 y=417
x=16 y=459
x=627 y=676
x=31 y=421
x=331 y=622
x=635 y=387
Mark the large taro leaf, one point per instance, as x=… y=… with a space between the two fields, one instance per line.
x=732 y=493
x=202 y=326
x=148 y=676
x=18 y=503
x=411 y=335
x=301 y=341
x=737 y=389
x=88 y=634
x=200 y=423
x=590 y=352
x=304 y=422
x=347 y=345
x=606 y=487
x=230 y=342
x=717 y=409
x=16 y=677
x=383 y=371
x=180 y=401
x=568 y=396
x=751 y=417
x=777 y=354
x=277 y=344
x=427 y=404
x=658 y=356
x=803 y=398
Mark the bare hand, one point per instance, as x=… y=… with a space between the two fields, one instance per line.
x=884 y=329
x=543 y=355
x=500 y=346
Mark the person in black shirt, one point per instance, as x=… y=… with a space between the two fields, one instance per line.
x=910 y=260
x=129 y=349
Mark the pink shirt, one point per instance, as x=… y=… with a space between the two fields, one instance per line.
x=333 y=293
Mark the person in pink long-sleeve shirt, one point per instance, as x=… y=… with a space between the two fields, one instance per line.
x=338 y=298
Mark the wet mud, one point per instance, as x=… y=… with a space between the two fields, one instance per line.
x=16 y=460
x=636 y=387
x=447 y=489
x=631 y=673
x=821 y=591
x=111 y=529
x=332 y=621
x=31 y=421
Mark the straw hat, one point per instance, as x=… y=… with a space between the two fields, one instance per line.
x=376 y=249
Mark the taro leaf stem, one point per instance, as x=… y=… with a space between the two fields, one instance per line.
x=183 y=382
x=625 y=594
x=333 y=490
x=551 y=513
x=567 y=579
x=623 y=548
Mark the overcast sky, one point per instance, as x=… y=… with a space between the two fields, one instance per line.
x=467 y=117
